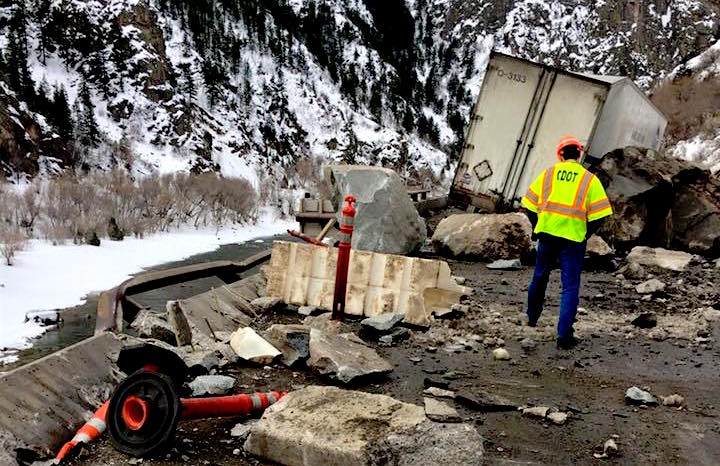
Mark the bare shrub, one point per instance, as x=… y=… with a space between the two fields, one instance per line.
x=307 y=174
x=689 y=103
x=12 y=240
x=80 y=208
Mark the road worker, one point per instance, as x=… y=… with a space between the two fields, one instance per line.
x=566 y=205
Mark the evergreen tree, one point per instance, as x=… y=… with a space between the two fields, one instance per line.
x=60 y=116
x=188 y=83
x=43 y=99
x=376 y=101
x=41 y=12
x=87 y=133
x=17 y=56
x=97 y=67
x=120 y=51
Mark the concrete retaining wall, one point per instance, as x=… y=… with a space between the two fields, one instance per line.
x=43 y=403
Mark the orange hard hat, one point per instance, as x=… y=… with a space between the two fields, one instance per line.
x=568 y=140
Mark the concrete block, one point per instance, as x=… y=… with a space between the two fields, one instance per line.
x=303 y=274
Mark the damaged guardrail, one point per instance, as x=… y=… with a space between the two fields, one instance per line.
x=117 y=304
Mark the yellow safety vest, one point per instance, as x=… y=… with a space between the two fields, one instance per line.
x=566 y=197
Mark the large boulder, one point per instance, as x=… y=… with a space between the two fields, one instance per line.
x=660 y=201
x=486 y=237
x=331 y=426
x=386 y=220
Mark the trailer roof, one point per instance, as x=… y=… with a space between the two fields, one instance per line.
x=605 y=78
x=597 y=78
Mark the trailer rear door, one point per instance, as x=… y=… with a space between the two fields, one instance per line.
x=509 y=92
x=573 y=107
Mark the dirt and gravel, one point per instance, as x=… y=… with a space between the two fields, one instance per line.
x=680 y=356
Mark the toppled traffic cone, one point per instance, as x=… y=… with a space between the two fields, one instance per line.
x=87 y=433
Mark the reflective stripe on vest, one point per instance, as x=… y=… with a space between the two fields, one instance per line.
x=576 y=209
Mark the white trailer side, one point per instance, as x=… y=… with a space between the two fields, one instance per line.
x=628 y=118
x=523 y=110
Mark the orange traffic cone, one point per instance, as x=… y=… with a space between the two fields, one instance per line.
x=87 y=433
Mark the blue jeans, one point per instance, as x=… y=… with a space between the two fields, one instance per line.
x=570 y=254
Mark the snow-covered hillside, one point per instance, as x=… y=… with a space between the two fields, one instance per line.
x=243 y=86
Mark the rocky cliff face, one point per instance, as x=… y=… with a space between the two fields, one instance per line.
x=237 y=86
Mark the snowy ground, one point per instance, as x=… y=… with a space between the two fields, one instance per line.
x=55 y=277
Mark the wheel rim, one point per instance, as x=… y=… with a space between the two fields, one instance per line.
x=143 y=413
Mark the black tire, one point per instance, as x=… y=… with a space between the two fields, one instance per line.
x=164 y=412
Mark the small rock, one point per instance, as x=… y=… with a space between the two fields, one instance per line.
x=558 y=417
x=528 y=344
x=537 y=411
x=178 y=323
x=501 y=354
x=645 y=320
x=439 y=392
x=149 y=324
x=711 y=315
x=428 y=382
x=610 y=448
x=673 y=400
x=634 y=271
x=399 y=334
x=236 y=451
x=242 y=430
x=292 y=340
x=252 y=347
x=267 y=303
x=202 y=362
x=460 y=280
x=636 y=396
x=505 y=264
x=455 y=311
x=651 y=286
x=308 y=310
x=485 y=402
x=382 y=323
x=212 y=385
x=440 y=411
x=326 y=324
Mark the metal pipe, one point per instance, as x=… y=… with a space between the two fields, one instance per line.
x=306 y=238
x=343 y=261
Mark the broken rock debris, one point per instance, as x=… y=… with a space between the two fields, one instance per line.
x=661 y=258
x=293 y=341
x=651 y=286
x=341 y=358
x=636 y=396
x=352 y=428
x=440 y=411
x=212 y=385
x=252 y=347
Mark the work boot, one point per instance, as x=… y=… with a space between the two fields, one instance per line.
x=567 y=343
x=531 y=323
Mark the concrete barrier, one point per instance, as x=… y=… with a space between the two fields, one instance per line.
x=44 y=402
x=303 y=274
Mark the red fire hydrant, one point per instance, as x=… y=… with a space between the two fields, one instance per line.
x=343 y=261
